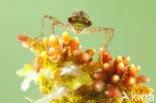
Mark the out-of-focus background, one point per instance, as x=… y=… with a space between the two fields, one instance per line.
x=134 y=22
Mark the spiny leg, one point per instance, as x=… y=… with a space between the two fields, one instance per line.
x=53 y=21
x=109 y=35
x=109 y=32
x=58 y=23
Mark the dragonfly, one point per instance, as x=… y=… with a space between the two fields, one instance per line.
x=79 y=23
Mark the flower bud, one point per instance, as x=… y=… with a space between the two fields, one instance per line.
x=132 y=70
x=99 y=85
x=108 y=67
x=54 y=42
x=130 y=81
x=141 y=79
x=112 y=93
x=126 y=61
x=65 y=38
x=138 y=68
x=115 y=79
x=91 y=52
x=120 y=68
x=74 y=44
x=118 y=60
x=45 y=42
x=82 y=58
x=84 y=89
x=22 y=38
x=53 y=54
x=106 y=56
x=100 y=75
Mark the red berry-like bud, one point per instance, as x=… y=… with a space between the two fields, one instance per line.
x=74 y=44
x=126 y=61
x=22 y=38
x=112 y=93
x=130 y=81
x=137 y=68
x=91 y=52
x=53 y=41
x=84 y=89
x=108 y=67
x=120 y=68
x=106 y=56
x=98 y=85
x=82 y=58
x=132 y=70
x=142 y=79
x=118 y=60
x=115 y=79
x=66 y=52
x=100 y=75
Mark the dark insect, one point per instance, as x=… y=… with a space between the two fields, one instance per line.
x=79 y=23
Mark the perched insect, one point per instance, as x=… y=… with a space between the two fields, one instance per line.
x=79 y=23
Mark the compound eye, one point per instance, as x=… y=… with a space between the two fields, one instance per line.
x=71 y=21
x=89 y=23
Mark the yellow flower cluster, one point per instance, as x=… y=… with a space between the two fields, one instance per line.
x=67 y=74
